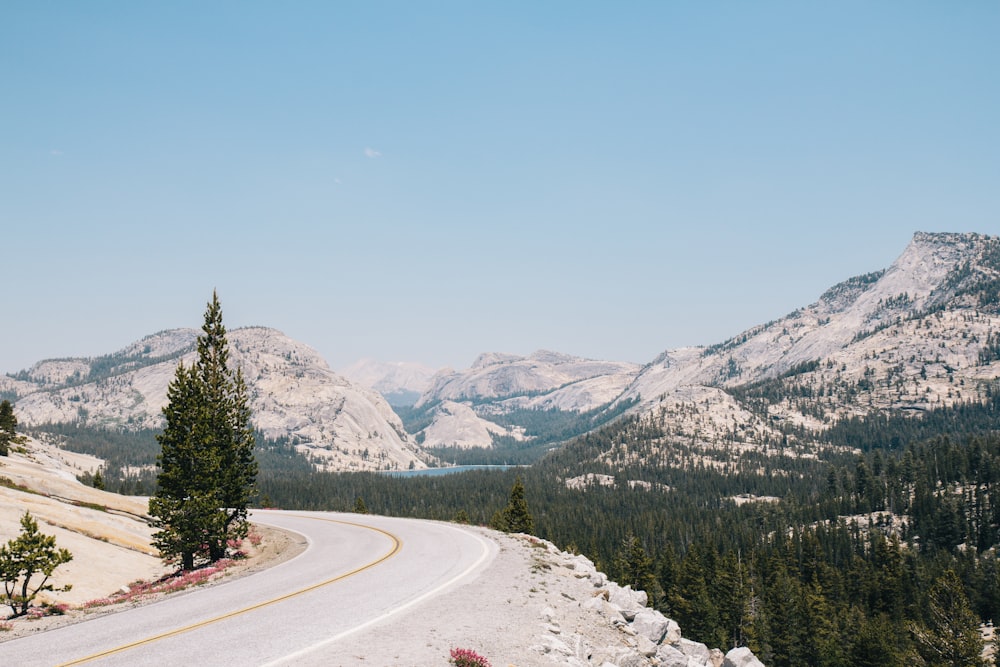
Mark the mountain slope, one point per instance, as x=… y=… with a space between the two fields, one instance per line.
x=495 y=397
x=293 y=394
x=922 y=334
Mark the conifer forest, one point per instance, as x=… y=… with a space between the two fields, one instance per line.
x=877 y=554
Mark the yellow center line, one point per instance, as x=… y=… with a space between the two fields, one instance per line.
x=397 y=544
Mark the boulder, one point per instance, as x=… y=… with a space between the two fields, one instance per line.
x=632 y=659
x=646 y=647
x=671 y=657
x=618 y=657
x=627 y=600
x=551 y=644
x=716 y=658
x=695 y=650
x=651 y=624
x=673 y=632
x=581 y=564
x=741 y=657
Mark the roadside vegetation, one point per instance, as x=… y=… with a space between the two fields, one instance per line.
x=26 y=565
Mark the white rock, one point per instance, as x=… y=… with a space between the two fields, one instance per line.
x=741 y=657
x=627 y=600
x=673 y=632
x=671 y=657
x=551 y=644
x=646 y=647
x=694 y=649
x=651 y=624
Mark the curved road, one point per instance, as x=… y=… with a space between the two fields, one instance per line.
x=357 y=570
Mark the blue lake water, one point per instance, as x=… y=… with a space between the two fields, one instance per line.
x=435 y=472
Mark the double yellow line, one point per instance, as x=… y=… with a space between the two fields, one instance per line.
x=397 y=544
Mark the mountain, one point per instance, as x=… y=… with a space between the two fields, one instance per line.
x=923 y=333
x=505 y=396
x=293 y=395
x=401 y=382
x=920 y=335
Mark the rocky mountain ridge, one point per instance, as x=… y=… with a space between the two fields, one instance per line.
x=923 y=333
x=293 y=395
x=918 y=336
x=462 y=403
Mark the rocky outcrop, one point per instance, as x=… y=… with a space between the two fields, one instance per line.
x=648 y=638
x=462 y=406
x=293 y=394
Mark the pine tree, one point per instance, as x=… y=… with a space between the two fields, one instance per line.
x=30 y=553
x=8 y=428
x=230 y=430
x=951 y=637
x=207 y=466
x=635 y=569
x=515 y=517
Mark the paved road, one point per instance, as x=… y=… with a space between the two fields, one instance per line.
x=357 y=571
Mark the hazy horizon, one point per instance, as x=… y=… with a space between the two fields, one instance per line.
x=425 y=183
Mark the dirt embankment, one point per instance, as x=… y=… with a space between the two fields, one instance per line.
x=108 y=535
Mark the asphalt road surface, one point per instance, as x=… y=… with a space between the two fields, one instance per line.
x=358 y=571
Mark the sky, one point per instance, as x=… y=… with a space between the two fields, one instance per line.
x=429 y=180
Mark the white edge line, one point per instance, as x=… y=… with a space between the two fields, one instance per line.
x=431 y=593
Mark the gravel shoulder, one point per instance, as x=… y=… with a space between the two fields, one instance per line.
x=524 y=609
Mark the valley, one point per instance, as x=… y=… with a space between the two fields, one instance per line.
x=810 y=487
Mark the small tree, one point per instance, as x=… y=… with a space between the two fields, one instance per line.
x=951 y=637
x=30 y=553
x=360 y=507
x=515 y=517
x=8 y=428
x=636 y=569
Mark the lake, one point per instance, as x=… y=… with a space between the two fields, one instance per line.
x=434 y=472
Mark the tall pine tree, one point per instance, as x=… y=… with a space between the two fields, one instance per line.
x=207 y=466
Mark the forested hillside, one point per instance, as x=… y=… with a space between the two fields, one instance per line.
x=839 y=560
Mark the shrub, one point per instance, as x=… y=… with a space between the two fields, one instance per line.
x=463 y=657
x=138 y=590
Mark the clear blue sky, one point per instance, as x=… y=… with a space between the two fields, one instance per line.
x=425 y=181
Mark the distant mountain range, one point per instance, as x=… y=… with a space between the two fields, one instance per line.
x=921 y=334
